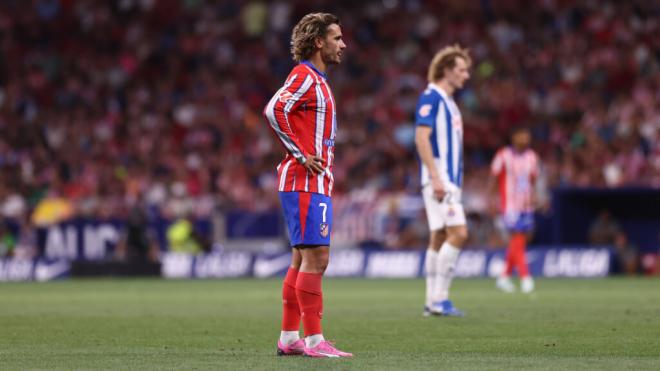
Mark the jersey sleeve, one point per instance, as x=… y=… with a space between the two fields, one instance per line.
x=498 y=163
x=289 y=99
x=427 y=109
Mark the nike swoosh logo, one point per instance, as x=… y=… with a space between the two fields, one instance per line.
x=264 y=267
x=47 y=272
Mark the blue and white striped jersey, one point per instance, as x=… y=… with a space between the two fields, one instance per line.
x=439 y=111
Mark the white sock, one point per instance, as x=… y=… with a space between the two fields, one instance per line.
x=431 y=264
x=289 y=337
x=313 y=340
x=445 y=270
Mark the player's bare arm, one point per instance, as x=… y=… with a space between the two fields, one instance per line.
x=422 y=134
x=533 y=197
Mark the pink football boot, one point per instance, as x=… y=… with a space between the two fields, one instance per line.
x=326 y=349
x=294 y=349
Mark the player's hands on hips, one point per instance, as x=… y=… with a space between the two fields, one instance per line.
x=314 y=164
x=438 y=189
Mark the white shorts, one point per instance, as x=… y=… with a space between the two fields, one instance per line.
x=446 y=213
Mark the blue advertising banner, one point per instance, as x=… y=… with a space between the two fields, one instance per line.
x=79 y=240
x=33 y=269
x=543 y=262
x=95 y=240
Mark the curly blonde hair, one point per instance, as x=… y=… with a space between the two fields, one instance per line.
x=304 y=34
x=446 y=58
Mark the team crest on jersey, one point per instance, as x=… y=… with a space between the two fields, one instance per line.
x=451 y=212
x=324 y=230
x=284 y=96
x=425 y=110
x=457 y=123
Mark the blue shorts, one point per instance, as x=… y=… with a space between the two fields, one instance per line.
x=519 y=222
x=308 y=217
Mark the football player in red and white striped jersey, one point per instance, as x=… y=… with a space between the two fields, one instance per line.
x=515 y=170
x=303 y=116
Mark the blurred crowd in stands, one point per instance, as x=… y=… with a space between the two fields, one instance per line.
x=107 y=106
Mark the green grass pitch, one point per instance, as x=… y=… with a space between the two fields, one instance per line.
x=606 y=324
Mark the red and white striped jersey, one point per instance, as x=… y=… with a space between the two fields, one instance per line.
x=302 y=115
x=516 y=174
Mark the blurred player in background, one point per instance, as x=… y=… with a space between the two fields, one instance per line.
x=439 y=141
x=303 y=116
x=514 y=171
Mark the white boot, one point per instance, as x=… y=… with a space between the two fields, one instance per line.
x=527 y=285
x=504 y=283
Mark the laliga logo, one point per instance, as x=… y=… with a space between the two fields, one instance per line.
x=457 y=123
x=285 y=96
